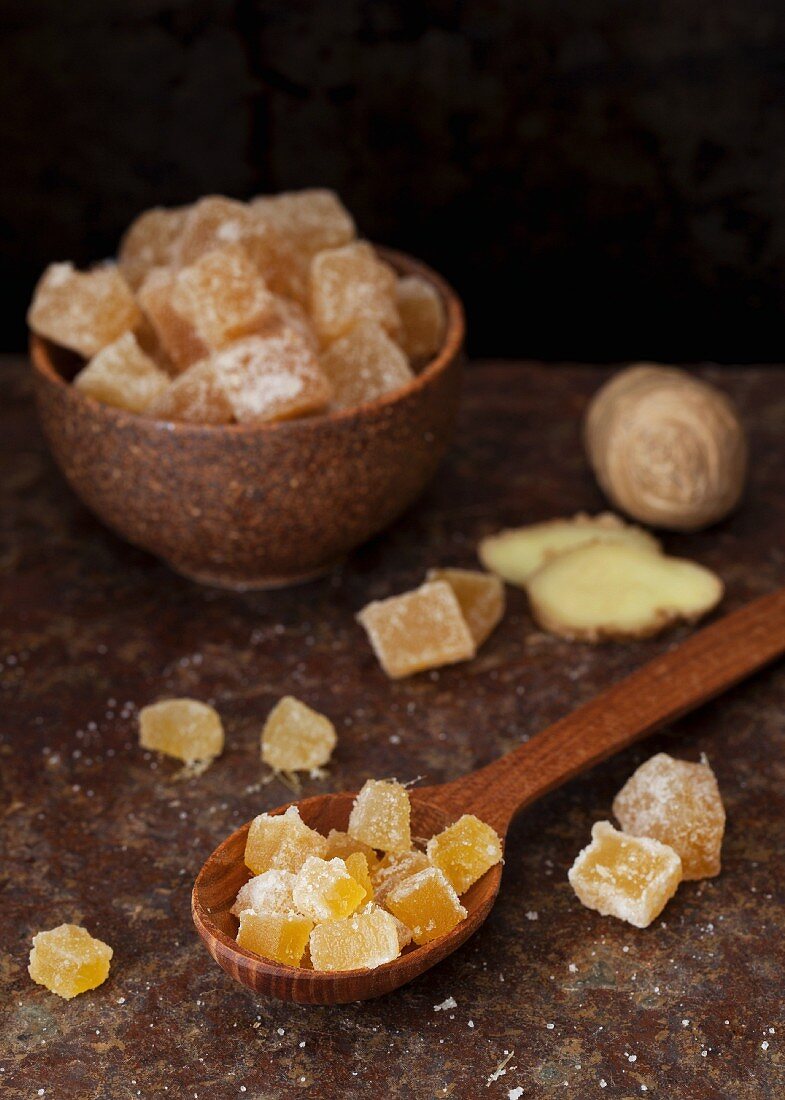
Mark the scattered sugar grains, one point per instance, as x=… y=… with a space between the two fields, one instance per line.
x=82 y=310
x=418 y=630
x=677 y=803
x=183 y=728
x=364 y=364
x=296 y=738
x=422 y=315
x=121 y=374
x=480 y=595
x=68 y=960
x=631 y=878
x=380 y=816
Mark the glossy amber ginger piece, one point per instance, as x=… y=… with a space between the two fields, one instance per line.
x=365 y=940
x=393 y=869
x=215 y=222
x=123 y=376
x=363 y=364
x=632 y=878
x=282 y=937
x=183 y=728
x=678 y=803
x=342 y=845
x=418 y=630
x=427 y=905
x=480 y=595
x=281 y=842
x=464 y=851
x=348 y=285
x=196 y=396
x=82 y=310
x=357 y=866
x=381 y=816
x=270 y=892
x=175 y=333
x=150 y=241
x=422 y=315
x=68 y=960
x=297 y=738
x=325 y=890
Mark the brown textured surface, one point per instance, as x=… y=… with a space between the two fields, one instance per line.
x=95 y=831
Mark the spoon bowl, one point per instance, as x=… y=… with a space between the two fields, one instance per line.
x=706 y=664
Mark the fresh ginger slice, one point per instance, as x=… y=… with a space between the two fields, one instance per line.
x=615 y=590
x=516 y=554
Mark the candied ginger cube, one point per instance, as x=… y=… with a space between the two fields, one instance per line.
x=365 y=940
x=282 y=937
x=351 y=284
x=68 y=960
x=296 y=738
x=183 y=728
x=418 y=630
x=393 y=869
x=422 y=317
x=464 y=851
x=480 y=595
x=677 y=803
x=632 y=878
x=122 y=375
x=215 y=221
x=364 y=364
x=324 y=889
x=195 y=397
x=357 y=866
x=288 y=315
x=343 y=845
x=404 y=933
x=380 y=816
x=282 y=842
x=175 y=333
x=427 y=905
x=82 y=310
x=270 y=892
x=150 y=241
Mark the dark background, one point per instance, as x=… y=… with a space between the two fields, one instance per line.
x=601 y=179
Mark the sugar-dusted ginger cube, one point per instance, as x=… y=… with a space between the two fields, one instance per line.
x=282 y=842
x=351 y=284
x=365 y=940
x=423 y=318
x=183 y=728
x=196 y=396
x=464 y=851
x=341 y=844
x=296 y=738
x=324 y=889
x=404 y=933
x=632 y=878
x=82 y=310
x=175 y=333
x=122 y=375
x=418 y=630
x=215 y=221
x=427 y=905
x=270 y=892
x=68 y=960
x=381 y=816
x=150 y=241
x=357 y=866
x=363 y=364
x=393 y=869
x=678 y=803
x=288 y=315
x=480 y=595
x=282 y=937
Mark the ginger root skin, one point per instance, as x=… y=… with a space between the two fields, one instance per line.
x=666 y=448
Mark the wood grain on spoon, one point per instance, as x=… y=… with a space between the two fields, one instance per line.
x=700 y=668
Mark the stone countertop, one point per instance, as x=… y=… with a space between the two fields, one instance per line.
x=96 y=831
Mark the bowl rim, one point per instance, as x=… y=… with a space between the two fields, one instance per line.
x=455 y=330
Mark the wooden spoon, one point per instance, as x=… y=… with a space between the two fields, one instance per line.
x=706 y=664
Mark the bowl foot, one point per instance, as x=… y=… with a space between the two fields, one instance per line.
x=230 y=581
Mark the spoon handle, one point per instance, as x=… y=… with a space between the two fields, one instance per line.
x=703 y=666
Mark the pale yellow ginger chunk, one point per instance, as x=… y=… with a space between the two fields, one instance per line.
x=282 y=937
x=423 y=317
x=418 y=630
x=183 y=728
x=632 y=878
x=480 y=595
x=367 y=939
x=351 y=284
x=270 y=892
x=516 y=554
x=357 y=866
x=427 y=905
x=363 y=364
x=393 y=869
x=68 y=960
x=341 y=844
x=404 y=933
x=150 y=241
x=464 y=851
x=281 y=842
x=614 y=590
x=679 y=804
x=381 y=815
x=122 y=375
x=297 y=738
x=83 y=310
x=324 y=889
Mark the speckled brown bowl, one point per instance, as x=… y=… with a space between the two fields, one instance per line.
x=254 y=506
